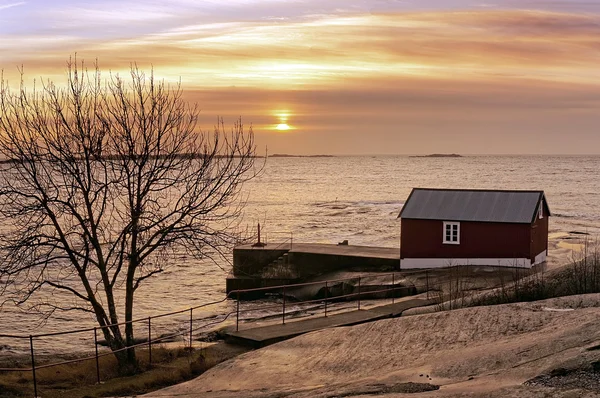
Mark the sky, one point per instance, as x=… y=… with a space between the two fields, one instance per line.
x=344 y=76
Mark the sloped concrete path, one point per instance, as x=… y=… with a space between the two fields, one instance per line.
x=266 y=335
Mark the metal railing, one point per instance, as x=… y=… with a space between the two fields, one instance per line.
x=329 y=297
x=288 y=236
x=97 y=354
x=194 y=325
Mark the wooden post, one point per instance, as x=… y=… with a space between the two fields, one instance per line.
x=359 y=292
x=393 y=288
x=150 y=341
x=97 y=358
x=283 y=312
x=237 y=318
x=427 y=283
x=33 y=366
x=326 y=299
x=191 y=326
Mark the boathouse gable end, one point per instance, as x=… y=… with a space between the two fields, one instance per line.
x=441 y=228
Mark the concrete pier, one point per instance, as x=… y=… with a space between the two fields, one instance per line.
x=255 y=267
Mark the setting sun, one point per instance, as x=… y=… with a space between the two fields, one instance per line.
x=282 y=127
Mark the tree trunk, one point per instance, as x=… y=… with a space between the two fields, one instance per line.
x=131 y=358
x=129 y=290
x=127 y=363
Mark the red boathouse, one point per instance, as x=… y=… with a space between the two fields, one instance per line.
x=448 y=227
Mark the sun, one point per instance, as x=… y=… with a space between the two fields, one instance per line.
x=283 y=117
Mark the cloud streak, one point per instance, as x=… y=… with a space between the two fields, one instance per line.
x=337 y=48
x=341 y=73
x=11 y=5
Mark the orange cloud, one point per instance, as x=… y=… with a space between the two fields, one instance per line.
x=548 y=46
x=389 y=75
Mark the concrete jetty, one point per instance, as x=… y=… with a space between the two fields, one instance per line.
x=265 y=335
x=283 y=263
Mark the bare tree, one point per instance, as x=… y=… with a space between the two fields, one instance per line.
x=104 y=177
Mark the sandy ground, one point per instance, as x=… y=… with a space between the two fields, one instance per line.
x=471 y=352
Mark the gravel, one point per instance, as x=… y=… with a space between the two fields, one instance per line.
x=586 y=379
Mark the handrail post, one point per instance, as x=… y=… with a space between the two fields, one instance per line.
x=150 y=341
x=97 y=360
x=326 y=299
x=283 y=312
x=359 y=292
x=237 y=311
x=427 y=283
x=393 y=288
x=191 y=326
x=33 y=366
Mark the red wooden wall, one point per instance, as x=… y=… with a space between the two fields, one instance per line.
x=424 y=239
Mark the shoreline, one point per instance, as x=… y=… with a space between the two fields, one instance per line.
x=564 y=247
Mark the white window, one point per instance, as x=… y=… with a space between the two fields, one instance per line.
x=541 y=211
x=452 y=233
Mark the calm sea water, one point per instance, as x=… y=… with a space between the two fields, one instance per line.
x=331 y=199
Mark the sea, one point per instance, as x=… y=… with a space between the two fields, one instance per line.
x=328 y=200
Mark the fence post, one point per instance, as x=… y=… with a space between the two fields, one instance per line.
x=393 y=288
x=291 y=240
x=237 y=311
x=359 y=292
x=283 y=312
x=33 y=366
x=427 y=283
x=191 y=326
x=150 y=341
x=97 y=360
x=326 y=299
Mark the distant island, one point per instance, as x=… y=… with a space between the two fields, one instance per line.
x=285 y=155
x=438 y=155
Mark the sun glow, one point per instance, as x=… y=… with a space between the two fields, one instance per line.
x=283 y=116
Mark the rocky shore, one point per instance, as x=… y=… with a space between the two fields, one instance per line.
x=540 y=349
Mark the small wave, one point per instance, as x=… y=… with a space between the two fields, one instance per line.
x=579 y=216
x=338 y=207
x=380 y=202
x=312 y=226
x=340 y=213
x=560 y=215
x=340 y=204
x=210 y=317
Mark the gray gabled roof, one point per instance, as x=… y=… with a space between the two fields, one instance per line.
x=474 y=205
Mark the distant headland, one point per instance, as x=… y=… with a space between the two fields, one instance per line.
x=285 y=155
x=439 y=155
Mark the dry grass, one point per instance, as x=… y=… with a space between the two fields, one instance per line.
x=460 y=289
x=169 y=366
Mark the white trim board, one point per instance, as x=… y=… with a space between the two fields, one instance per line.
x=540 y=258
x=421 y=263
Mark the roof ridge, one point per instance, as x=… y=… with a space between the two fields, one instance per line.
x=479 y=190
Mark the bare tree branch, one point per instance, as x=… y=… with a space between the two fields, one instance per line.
x=105 y=176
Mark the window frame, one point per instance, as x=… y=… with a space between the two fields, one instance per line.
x=453 y=225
